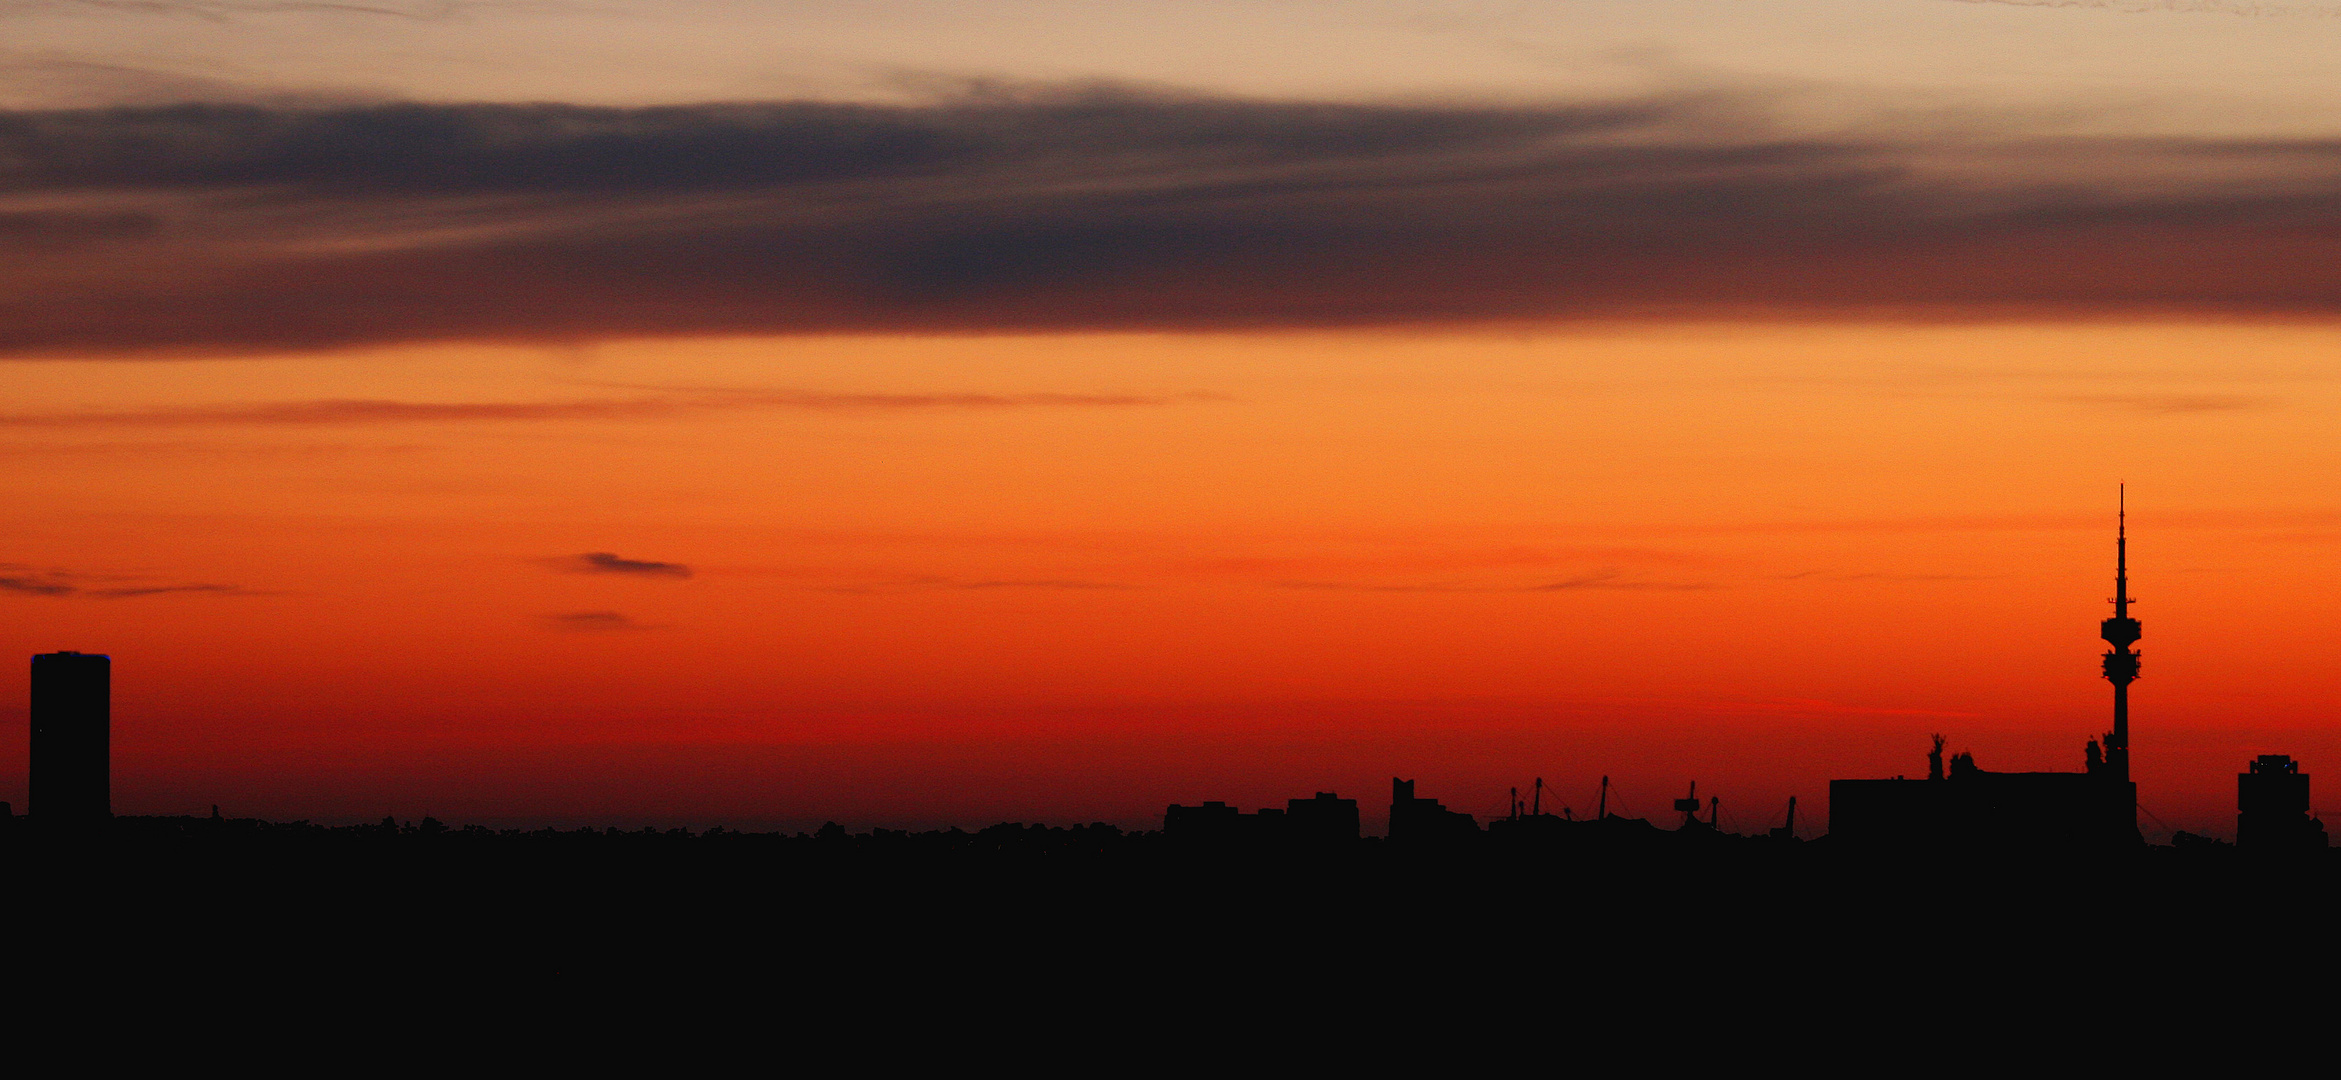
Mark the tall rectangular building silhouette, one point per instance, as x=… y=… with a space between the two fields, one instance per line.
x=72 y=710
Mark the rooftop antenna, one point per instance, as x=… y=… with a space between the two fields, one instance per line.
x=1601 y=813
x=1688 y=806
x=2121 y=631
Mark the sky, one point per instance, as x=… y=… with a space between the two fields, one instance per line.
x=915 y=414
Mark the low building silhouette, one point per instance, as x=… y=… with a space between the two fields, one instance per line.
x=71 y=775
x=2272 y=807
x=1418 y=820
x=1327 y=820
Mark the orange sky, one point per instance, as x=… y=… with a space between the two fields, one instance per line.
x=918 y=414
x=953 y=579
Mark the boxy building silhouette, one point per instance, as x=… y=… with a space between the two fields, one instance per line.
x=71 y=742
x=2273 y=807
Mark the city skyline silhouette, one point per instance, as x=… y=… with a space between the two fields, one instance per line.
x=1957 y=806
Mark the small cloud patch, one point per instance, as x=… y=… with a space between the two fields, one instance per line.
x=603 y=562
x=593 y=621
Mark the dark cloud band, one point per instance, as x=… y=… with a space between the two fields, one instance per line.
x=220 y=228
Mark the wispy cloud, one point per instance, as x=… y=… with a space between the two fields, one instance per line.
x=1831 y=575
x=37 y=586
x=603 y=562
x=355 y=411
x=158 y=590
x=1599 y=580
x=26 y=581
x=925 y=583
x=2171 y=403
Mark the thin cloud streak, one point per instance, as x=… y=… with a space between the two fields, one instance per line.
x=2171 y=403
x=916 y=584
x=62 y=584
x=1606 y=580
x=336 y=412
x=204 y=229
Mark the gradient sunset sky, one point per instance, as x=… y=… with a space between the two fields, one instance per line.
x=914 y=414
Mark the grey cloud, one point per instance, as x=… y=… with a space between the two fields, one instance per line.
x=251 y=227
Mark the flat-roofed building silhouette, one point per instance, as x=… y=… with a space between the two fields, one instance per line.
x=71 y=776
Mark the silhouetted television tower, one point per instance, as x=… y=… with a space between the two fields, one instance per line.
x=2121 y=631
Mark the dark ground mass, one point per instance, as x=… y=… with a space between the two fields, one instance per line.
x=1077 y=920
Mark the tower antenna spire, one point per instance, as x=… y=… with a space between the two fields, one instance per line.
x=2121 y=551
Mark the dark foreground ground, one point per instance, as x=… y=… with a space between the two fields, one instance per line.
x=1093 y=931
